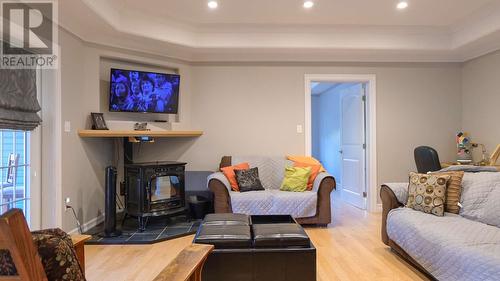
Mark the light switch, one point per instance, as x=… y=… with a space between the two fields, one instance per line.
x=299 y=129
x=67 y=126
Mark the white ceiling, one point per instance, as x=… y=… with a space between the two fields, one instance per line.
x=291 y=12
x=281 y=30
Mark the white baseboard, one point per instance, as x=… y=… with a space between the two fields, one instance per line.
x=88 y=225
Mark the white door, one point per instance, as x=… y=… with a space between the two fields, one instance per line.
x=353 y=147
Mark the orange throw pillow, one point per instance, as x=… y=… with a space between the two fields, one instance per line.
x=306 y=160
x=314 y=173
x=231 y=176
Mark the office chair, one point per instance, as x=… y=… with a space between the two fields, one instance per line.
x=426 y=159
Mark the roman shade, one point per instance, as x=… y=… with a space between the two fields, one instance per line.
x=18 y=101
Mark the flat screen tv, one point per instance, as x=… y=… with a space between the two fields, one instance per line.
x=140 y=91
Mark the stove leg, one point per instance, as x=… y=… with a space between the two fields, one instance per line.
x=124 y=218
x=143 y=221
x=142 y=225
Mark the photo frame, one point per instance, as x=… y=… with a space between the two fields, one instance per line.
x=98 y=122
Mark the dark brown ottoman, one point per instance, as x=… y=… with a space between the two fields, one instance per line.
x=280 y=250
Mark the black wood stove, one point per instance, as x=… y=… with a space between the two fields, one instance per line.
x=154 y=189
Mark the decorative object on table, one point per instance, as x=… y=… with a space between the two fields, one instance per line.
x=464 y=148
x=484 y=159
x=98 y=122
x=141 y=126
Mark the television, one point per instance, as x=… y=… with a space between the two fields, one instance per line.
x=141 y=91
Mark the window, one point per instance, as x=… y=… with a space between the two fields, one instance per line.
x=14 y=171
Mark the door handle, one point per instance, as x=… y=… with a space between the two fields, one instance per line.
x=341 y=151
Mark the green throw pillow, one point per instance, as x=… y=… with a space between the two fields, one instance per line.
x=296 y=179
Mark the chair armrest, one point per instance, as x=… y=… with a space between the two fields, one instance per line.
x=389 y=201
x=219 y=185
x=400 y=190
x=220 y=177
x=79 y=245
x=323 y=181
x=187 y=265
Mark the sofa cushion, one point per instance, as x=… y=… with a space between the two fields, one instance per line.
x=224 y=236
x=248 y=180
x=453 y=191
x=252 y=202
x=481 y=197
x=271 y=169
x=449 y=247
x=231 y=176
x=296 y=204
x=226 y=219
x=427 y=193
x=296 y=179
x=275 y=202
x=314 y=172
x=279 y=235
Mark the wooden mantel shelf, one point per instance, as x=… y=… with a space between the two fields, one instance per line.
x=119 y=134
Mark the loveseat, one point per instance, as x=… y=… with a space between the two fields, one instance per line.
x=308 y=207
x=464 y=246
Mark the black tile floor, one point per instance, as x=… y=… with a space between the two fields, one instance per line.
x=157 y=230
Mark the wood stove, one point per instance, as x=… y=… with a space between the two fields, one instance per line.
x=154 y=189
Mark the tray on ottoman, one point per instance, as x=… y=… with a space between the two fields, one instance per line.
x=279 y=249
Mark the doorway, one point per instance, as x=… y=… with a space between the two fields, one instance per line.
x=340 y=132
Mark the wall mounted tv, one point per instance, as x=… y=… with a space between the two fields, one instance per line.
x=140 y=91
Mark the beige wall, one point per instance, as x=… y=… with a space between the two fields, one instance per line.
x=255 y=110
x=83 y=161
x=249 y=109
x=481 y=100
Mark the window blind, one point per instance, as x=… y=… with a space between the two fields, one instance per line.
x=19 y=106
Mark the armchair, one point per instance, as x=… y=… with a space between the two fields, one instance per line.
x=35 y=256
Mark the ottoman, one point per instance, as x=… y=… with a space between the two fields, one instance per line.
x=278 y=249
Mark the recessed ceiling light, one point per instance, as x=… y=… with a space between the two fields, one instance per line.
x=308 y=4
x=213 y=4
x=402 y=5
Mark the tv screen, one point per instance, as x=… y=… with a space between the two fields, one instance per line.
x=140 y=91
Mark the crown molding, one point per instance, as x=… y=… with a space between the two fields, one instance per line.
x=100 y=23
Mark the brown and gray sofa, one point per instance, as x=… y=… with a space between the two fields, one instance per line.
x=464 y=246
x=309 y=207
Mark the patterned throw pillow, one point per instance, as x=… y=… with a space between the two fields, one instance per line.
x=427 y=193
x=453 y=191
x=231 y=176
x=248 y=180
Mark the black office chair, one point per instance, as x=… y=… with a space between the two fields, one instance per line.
x=427 y=159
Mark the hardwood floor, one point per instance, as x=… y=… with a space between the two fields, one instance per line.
x=349 y=249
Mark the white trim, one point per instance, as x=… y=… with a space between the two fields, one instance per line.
x=88 y=225
x=371 y=133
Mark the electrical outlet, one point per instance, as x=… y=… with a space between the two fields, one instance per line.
x=300 y=130
x=67 y=202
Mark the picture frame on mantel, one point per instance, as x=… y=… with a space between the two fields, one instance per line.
x=98 y=122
